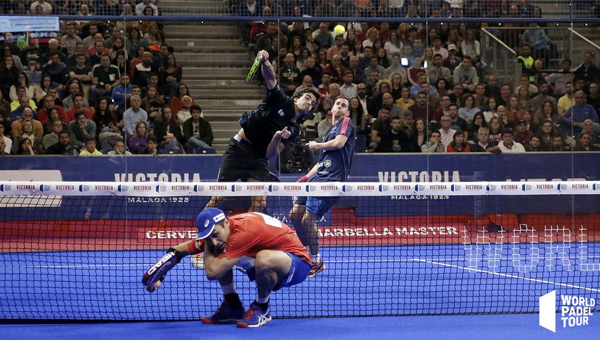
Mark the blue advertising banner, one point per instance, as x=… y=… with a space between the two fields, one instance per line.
x=365 y=168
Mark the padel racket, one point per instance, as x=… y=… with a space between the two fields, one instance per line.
x=253 y=70
x=159 y=270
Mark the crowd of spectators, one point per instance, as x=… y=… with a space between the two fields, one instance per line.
x=82 y=7
x=412 y=87
x=406 y=80
x=97 y=89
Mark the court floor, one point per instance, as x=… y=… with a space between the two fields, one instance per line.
x=413 y=281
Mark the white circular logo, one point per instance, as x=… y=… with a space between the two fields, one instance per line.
x=327 y=163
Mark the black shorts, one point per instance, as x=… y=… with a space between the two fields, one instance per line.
x=241 y=162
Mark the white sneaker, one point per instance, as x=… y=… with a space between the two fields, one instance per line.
x=197 y=261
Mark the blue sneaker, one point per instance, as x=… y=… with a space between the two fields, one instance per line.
x=255 y=317
x=225 y=314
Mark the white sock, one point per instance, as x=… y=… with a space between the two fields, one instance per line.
x=262 y=300
x=229 y=289
x=316 y=257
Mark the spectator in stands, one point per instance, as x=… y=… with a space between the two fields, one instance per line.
x=324 y=125
x=134 y=41
x=446 y=131
x=78 y=106
x=523 y=134
x=452 y=61
x=420 y=109
x=437 y=71
x=434 y=144
x=542 y=97
x=323 y=37
x=307 y=83
x=153 y=103
x=587 y=70
x=122 y=92
x=168 y=132
x=27 y=132
x=48 y=105
x=546 y=112
x=197 y=132
x=4 y=138
x=571 y=123
x=176 y=102
x=142 y=71
x=141 y=8
x=394 y=139
x=558 y=144
x=289 y=75
x=96 y=52
x=133 y=115
x=80 y=129
x=468 y=110
x=70 y=39
x=89 y=148
x=508 y=145
x=139 y=139
x=64 y=145
x=466 y=74
x=457 y=123
x=170 y=76
x=185 y=112
x=458 y=143
x=23 y=103
x=559 y=80
x=82 y=72
x=22 y=82
x=153 y=36
x=151 y=146
x=107 y=124
x=119 y=150
x=313 y=70
x=33 y=73
x=336 y=70
x=566 y=101
x=9 y=74
x=380 y=126
x=482 y=144
x=57 y=71
x=358 y=114
x=74 y=87
x=348 y=88
x=584 y=143
x=24 y=147
x=45 y=6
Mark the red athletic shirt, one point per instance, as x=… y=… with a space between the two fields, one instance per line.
x=253 y=232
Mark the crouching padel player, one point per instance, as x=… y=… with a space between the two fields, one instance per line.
x=268 y=250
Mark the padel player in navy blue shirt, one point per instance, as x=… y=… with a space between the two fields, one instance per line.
x=335 y=159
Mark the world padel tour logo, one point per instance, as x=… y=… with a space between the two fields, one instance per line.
x=575 y=311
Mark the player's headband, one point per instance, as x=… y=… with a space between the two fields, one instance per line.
x=207 y=220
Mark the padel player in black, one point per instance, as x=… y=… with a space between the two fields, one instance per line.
x=246 y=157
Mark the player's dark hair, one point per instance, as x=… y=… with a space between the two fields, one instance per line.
x=308 y=90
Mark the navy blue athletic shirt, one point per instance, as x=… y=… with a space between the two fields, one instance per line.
x=272 y=115
x=334 y=165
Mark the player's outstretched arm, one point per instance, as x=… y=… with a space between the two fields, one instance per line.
x=267 y=69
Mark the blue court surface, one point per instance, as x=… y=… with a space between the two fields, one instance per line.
x=494 y=289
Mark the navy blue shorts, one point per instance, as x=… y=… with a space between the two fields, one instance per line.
x=297 y=274
x=317 y=205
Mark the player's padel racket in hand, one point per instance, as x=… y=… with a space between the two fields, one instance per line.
x=253 y=70
x=159 y=270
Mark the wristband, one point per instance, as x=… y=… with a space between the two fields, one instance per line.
x=303 y=179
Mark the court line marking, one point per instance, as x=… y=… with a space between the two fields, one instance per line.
x=509 y=276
